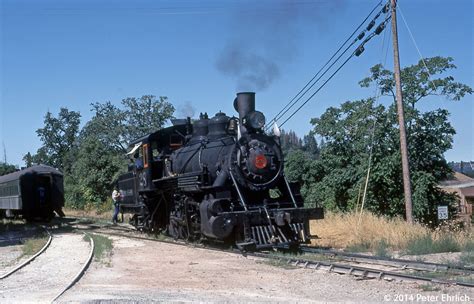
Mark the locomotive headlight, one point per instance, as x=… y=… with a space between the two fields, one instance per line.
x=255 y=120
x=260 y=161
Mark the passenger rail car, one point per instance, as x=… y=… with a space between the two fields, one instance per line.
x=219 y=178
x=32 y=193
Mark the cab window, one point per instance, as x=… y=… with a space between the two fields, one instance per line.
x=145 y=155
x=176 y=141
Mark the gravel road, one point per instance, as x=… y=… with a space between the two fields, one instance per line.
x=145 y=271
x=48 y=274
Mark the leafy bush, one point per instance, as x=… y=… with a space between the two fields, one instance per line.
x=420 y=245
x=427 y=244
x=102 y=246
x=363 y=246
x=381 y=248
x=467 y=257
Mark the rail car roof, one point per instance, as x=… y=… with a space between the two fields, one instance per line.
x=35 y=169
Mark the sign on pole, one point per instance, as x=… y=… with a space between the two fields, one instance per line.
x=442 y=212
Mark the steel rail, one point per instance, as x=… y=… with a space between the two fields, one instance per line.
x=348 y=269
x=81 y=271
x=392 y=262
x=140 y=237
x=43 y=249
x=364 y=272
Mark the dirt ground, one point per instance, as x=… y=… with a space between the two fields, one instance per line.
x=146 y=271
x=10 y=255
x=11 y=246
x=48 y=274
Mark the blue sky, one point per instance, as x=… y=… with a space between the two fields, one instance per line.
x=71 y=53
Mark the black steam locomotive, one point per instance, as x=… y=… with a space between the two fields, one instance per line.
x=220 y=179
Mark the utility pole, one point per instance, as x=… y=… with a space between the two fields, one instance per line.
x=401 y=116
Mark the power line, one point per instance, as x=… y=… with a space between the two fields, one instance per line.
x=312 y=95
x=357 y=52
x=284 y=111
x=292 y=102
x=278 y=116
x=416 y=46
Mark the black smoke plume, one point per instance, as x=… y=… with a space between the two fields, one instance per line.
x=251 y=70
x=264 y=37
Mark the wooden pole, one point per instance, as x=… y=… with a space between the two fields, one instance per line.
x=401 y=117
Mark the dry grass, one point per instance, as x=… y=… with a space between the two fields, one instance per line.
x=103 y=210
x=369 y=232
x=32 y=246
x=102 y=247
x=89 y=213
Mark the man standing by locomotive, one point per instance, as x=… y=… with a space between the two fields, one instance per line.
x=116 y=198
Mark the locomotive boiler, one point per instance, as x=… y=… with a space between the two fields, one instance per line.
x=220 y=179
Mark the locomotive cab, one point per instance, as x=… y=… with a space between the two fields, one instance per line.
x=149 y=161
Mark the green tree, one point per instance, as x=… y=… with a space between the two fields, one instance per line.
x=28 y=159
x=301 y=167
x=6 y=168
x=290 y=141
x=416 y=81
x=145 y=115
x=58 y=136
x=103 y=141
x=310 y=145
x=116 y=127
x=93 y=172
x=358 y=129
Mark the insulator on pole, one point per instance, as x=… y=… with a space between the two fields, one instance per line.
x=371 y=25
x=359 y=50
x=361 y=35
x=380 y=28
x=385 y=8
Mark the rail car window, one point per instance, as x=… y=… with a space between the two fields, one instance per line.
x=145 y=155
x=9 y=188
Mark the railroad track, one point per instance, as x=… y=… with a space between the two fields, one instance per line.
x=50 y=272
x=80 y=272
x=367 y=272
x=30 y=259
x=348 y=268
x=392 y=262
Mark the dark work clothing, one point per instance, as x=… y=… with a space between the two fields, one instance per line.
x=116 y=212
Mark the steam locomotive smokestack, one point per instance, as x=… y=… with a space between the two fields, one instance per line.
x=244 y=103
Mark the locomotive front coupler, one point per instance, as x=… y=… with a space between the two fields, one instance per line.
x=278 y=216
x=280 y=228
